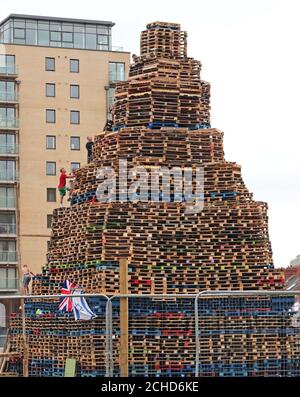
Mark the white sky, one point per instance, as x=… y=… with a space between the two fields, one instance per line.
x=250 y=53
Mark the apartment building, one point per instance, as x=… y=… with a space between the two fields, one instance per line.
x=57 y=80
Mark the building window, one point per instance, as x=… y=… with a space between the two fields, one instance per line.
x=7 y=64
x=50 y=64
x=51 y=195
x=50 y=142
x=74 y=65
x=50 y=168
x=8 y=251
x=74 y=117
x=49 y=221
x=8 y=280
x=8 y=143
x=50 y=89
x=75 y=143
x=74 y=91
x=8 y=170
x=116 y=71
x=7 y=197
x=7 y=223
x=50 y=116
x=75 y=166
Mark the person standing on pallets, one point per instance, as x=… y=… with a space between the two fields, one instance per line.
x=62 y=188
x=26 y=278
x=89 y=147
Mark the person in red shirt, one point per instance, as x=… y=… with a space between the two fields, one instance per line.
x=62 y=188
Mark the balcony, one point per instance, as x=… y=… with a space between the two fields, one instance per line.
x=9 y=124
x=9 y=97
x=8 y=283
x=8 y=229
x=8 y=176
x=11 y=150
x=8 y=257
x=8 y=71
x=7 y=203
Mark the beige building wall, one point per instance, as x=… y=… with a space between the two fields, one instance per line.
x=92 y=78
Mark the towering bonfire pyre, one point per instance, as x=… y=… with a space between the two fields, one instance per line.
x=161 y=118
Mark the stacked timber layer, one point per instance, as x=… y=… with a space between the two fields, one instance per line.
x=161 y=119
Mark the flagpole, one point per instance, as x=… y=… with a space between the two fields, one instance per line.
x=124 y=317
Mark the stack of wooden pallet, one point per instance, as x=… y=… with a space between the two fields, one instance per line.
x=224 y=246
x=164 y=86
x=165 y=40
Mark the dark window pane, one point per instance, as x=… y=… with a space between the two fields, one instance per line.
x=74 y=65
x=102 y=39
x=50 y=115
x=67 y=27
x=74 y=91
x=75 y=143
x=50 y=142
x=43 y=37
x=74 y=117
x=19 y=33
x=50 y=168
x=55 y=36
x=51 y=194
x=43 y=25
x=55 y=26
x=103 y=30
x=31 y=36
x=79 y=28
x=50 y=64
x=90 y=41
x=67 y=37
x=78 y=40
x=31 y=24
x=75 y=166
x=19 y=23
x=90 y=28
x=50 y=90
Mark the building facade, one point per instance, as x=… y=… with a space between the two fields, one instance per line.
x=56 y=86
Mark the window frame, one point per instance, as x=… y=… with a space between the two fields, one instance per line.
x=74 y=137
x=53 y=190
x=46 y=66
x=48 y=163
x=50 y=136
x=70 y=65
x=77 y=112
x=54 y=112
x=54 y=90
x=78 y=91
x=76 y=168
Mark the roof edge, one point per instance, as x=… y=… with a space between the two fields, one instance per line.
x=58 y=19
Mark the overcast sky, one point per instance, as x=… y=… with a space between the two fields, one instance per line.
x=249 y=50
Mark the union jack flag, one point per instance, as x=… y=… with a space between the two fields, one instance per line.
x=67 y=289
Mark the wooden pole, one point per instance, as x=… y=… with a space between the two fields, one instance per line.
x=124 y=318
x=25 y=350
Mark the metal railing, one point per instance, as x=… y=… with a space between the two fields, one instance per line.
x=8 y=176
x=9 y=70
x=7 y=96
x=213 y=333
x=8 y=256
x=9 y=149
x=9 y=283
x=9 y=123
x=7 y=228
